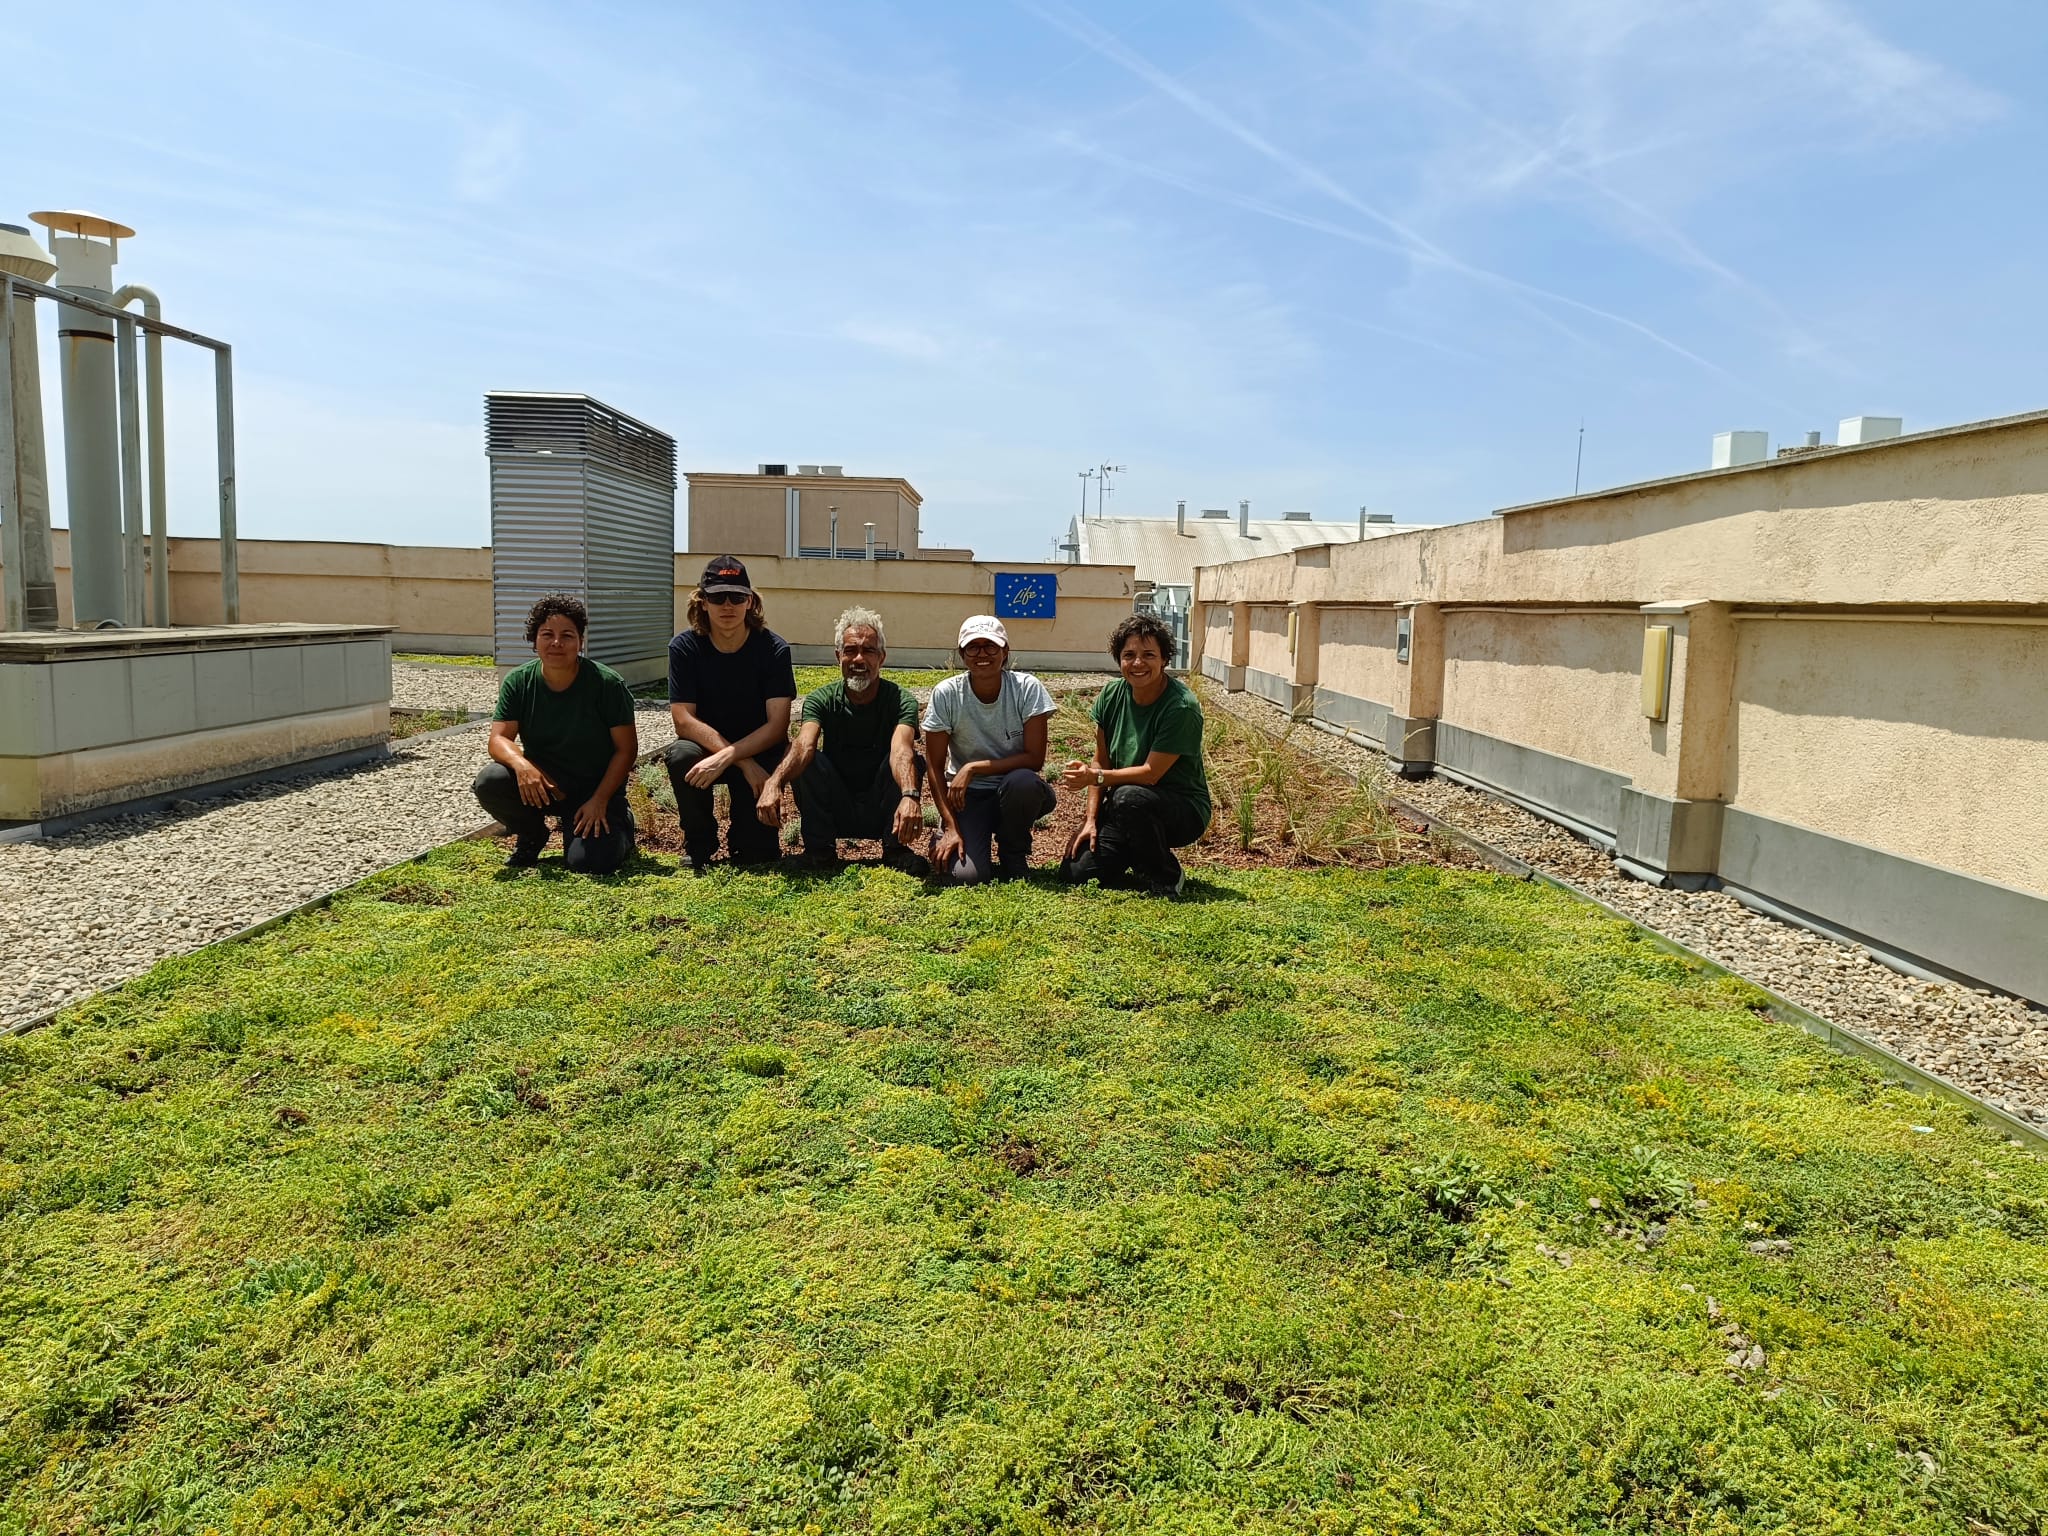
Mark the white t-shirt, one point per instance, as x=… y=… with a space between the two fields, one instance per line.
x=981 y=732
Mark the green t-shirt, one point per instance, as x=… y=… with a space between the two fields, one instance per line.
x=567 y=735
x=1170 y=723
x=856 y=736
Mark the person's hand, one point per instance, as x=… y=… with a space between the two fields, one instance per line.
x=956 y=789
x=768 y=803
x=908 y=819
x=535 y=787
x=709 y=769
x=946 y=851
x=1083 y=839
x=1077 y=775
x=591 y=820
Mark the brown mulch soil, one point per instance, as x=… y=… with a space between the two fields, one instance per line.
x=1273 y=844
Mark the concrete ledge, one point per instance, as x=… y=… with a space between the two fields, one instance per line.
x=52 y=785
x=1216 y=668
x=1270 y=686
x=1667 y=841
x=1577 y=794
x=57 y=826
x=1932 y=918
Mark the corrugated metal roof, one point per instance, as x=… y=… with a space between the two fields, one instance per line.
x=1167 y=558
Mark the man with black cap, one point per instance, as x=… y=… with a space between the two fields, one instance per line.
x=730 y=690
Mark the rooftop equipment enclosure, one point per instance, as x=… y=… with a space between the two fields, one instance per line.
x=583 y=501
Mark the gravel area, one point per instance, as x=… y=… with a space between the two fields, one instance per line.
x=436 y=685
x=94 y=907
x=1995 y=1046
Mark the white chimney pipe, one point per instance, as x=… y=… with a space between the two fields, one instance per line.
x=871 y=539
x=1180 y=521
x=1244 y=519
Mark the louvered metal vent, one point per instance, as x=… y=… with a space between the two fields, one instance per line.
x=583 y=500
x=545 y=424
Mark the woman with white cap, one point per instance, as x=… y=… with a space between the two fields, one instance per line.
x=984 y=736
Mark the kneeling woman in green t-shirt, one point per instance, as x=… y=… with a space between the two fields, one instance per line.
x=562 y=742
x=1147 y=794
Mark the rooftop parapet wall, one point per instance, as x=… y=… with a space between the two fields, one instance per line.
x=1958 y=516
x=1819 y=681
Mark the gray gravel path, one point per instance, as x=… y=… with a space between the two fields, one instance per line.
x=87 y=910
x=1995 y=1046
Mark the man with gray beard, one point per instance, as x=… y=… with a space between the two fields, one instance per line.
x=854 y=763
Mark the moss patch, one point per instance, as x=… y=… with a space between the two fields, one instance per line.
x=1397 y=1200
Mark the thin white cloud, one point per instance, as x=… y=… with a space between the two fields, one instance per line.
x=489 y=158
x=905 y=341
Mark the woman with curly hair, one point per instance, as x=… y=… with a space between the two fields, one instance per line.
x=1147 y=793
x=562 y=742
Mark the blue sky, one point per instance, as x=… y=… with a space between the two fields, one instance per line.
x=1312 y=254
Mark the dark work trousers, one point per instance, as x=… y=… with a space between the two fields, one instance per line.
x=497 y=791
x=832 y=808
x=1136 y=830
x=1002 y=815
x=746 y=840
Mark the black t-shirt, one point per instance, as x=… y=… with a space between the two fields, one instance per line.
x=730 y=692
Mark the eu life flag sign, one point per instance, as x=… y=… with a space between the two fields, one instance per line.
x=1026 y=594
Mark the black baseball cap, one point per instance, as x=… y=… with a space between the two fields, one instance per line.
x=724 y=574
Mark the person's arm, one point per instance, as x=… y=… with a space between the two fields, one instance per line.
x=535 y=787
x=1097 y=776
x=768 y=803
x=591 y=817
x=1084 y=835
x=1031 y=755
x=903 y=769
x=721 y=755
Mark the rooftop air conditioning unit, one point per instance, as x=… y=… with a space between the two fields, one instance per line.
x=583 y=501
x=774 y=469
x=1223 y=512
x=808 y=469
x=1297 y=517
x=1868 y=429
x=832 y=469
x=1379 y=517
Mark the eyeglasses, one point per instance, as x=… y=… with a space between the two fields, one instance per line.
x=724 y=599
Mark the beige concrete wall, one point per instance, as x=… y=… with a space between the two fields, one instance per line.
x=1928 y=740
x=1944 y=517
x=747 y=515
x=923 y=601
x=418 y=590
x=1358 y=653
x=1566 y=683
x=1269 y=651
x=424 y=592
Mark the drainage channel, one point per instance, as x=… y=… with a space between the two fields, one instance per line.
x=1847 y=1041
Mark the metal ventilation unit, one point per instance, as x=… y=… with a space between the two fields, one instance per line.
x=583 y=500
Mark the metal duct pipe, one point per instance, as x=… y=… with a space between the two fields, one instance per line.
x=1361 y=524
x=1180 y=518
x=31 y=577
x=92 y=465
x=1244 y=519
x=871 y=539
x=835 y=531
x=159 y=513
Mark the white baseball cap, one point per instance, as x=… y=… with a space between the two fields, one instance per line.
x=984 y=626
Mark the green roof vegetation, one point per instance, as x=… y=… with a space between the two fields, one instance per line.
x=1401 y=1200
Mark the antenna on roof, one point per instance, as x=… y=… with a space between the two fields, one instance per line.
x=1580 y=461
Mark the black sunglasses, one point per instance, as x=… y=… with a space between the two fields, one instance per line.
x=725 y=599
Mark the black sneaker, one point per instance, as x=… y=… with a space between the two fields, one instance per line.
x=823 y=861
x=525 y=853
x=1166 y=892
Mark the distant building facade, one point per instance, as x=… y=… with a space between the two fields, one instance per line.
x=806 y=511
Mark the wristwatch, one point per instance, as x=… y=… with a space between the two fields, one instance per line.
x=1098 y=778
x=908 y=794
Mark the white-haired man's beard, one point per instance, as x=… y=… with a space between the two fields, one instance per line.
x=859 y=682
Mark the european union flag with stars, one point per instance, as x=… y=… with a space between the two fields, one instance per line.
x=1026 y=594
